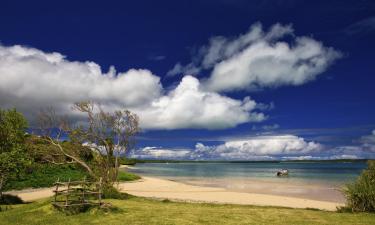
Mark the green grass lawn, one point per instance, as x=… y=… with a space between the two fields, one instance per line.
x=145 y=211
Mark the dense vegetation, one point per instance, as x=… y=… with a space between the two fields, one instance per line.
x=30 y=161
x=13 y=157
x=360 y=195
x=144 y=211
x=45 y=175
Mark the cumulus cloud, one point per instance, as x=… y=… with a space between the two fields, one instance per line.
x=31 y=79
x=259 y=59
x=265 y=146
x=188 y=106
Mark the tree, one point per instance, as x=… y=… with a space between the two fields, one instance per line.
x=360 y=195
x=108 y=135
x=13 y=157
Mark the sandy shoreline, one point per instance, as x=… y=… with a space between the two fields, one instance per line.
x=167 y=189
x=278 y=186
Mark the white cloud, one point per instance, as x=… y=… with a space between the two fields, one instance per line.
x=366 y=149
x=255 y=148
x=271 y=127
x=179 y=69
x=265 y=146
x=188 y=106
x=260 y=59
x=268 y=147
x=309 y=157
x=160 y=153
x=31 y=79
x=368 y=139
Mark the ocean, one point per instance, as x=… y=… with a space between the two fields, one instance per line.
x=313 y=180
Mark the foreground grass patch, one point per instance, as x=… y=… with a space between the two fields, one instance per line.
x=144 y=211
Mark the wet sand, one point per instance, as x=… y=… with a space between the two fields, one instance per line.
x=278 y=186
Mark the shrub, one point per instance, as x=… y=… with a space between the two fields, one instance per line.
x=111 y=192
x=124 y=176
x=360 y=195
x=45 y=175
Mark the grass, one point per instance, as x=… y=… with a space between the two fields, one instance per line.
x=125 y=176
x=145 y=211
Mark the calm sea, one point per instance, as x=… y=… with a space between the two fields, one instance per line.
x=336 y=172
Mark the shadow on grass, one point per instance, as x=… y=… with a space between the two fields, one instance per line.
x=8 y=200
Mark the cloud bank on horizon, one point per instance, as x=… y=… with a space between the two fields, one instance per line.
x=270 y=147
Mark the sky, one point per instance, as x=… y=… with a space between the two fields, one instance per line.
x=209 y=80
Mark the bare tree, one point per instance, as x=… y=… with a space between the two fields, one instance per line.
x=109 y=135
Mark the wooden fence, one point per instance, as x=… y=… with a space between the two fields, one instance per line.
x=77 y=193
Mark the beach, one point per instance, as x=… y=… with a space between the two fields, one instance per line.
x=172 y=190
x=152 y=187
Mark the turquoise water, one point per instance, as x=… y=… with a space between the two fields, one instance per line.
x=337 y=172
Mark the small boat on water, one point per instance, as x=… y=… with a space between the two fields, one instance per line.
x=282 y=172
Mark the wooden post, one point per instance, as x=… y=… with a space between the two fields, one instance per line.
x=57 y=188
x=100 y=192
x=83 y=189
x=67 y=193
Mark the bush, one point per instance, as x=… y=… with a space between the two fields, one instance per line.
x=112 y=193
x=45 y=175
x=360 y=195
x=124 y=176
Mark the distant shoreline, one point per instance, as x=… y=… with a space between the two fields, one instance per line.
x=134 y=161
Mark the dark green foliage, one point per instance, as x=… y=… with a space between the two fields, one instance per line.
x=127 y=161
x=45 y=175
x=13 y=157
x=360 y=195
x=42 y=151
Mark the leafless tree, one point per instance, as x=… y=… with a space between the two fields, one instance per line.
x=108 y=134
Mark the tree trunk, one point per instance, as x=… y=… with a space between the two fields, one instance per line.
x=1 y=188
x=116 y=169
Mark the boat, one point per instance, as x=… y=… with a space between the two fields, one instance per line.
x=282 y=172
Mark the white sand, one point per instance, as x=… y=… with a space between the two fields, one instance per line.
x=166 y=189
x=29 y=195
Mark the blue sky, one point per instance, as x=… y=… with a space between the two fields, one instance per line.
x=210 y=79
